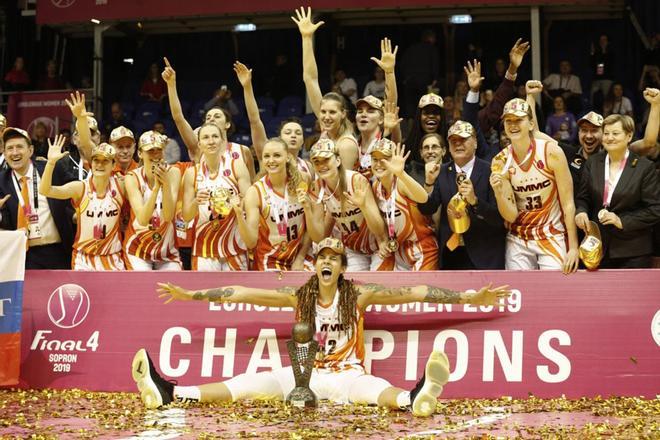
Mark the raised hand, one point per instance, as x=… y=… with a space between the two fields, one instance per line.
x=387 y=59
x=533 y=87
x=397 y=162
x=304 y=21
x=169 y=75
x=160 y=173
x=243 y=74
x=391 y=116
x=236 y=203
x=496 y=182
x=202 y=196
x=359 y=196
x=517 y=52
x=170 y=292
x=431 y=171
x=55 y=152
x=77 y=105
x=488 y=295
x=303 y=197
x=466 y=189
x=652 y=96
x=473 y=72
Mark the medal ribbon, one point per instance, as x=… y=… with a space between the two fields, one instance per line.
x=509 y=159
x=281 y=207
x=100 y=206
x=146 y=190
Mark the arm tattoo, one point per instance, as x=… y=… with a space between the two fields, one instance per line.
x=287 y=290
x=440 y=295
x=214 y=295
x=390 y=291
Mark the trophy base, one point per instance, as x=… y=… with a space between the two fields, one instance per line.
x=302 y=398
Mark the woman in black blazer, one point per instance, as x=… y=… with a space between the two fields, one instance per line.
x=620 y=191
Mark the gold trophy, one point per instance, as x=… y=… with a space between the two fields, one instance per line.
x=591 y=248
x=220 y=201
x=462 y=224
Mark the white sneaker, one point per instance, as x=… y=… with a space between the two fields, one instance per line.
x=424 y=396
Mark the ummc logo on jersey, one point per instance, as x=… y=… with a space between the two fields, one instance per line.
x=111 y=213
x=337 y=327
x=532 y=186
x=347 y=214
x=68 y=306
x=290 y=215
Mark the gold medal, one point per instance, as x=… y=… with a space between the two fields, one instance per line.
x=601 y=214
x=302 y=185
x=283 y=246
x=220 y=201
x=157 y=237
x=392 y=244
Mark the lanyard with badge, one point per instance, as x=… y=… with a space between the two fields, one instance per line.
x=390 y=210
x=30 y=212
x=607 y=190
x=154 y=222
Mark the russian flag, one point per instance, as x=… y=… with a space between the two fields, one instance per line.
x=12 y=274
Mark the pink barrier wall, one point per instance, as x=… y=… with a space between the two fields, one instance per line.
x=581 y=335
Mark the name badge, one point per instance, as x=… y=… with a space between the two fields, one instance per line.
x=34 y=231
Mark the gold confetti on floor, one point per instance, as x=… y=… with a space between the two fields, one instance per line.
x=54 y=414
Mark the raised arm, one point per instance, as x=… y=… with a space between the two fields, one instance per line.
x=387 y=62
x=257 y=130
x=391 y=121
x=652 y=96
x=379 y=294
x=280 y=297
x=363 y=197
x=506 y=200
x=185 y=130
x=77 y=106
x=310 y=71
x=248 y=225
x=315 y=220
x=406 y=184
x=532 y=89
x=71 y=190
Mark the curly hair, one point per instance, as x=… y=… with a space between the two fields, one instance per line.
x=308 y=296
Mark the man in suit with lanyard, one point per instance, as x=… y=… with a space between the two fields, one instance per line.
x=482 y=245
x=47 y=222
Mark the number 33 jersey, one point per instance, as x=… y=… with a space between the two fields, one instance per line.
x=535 y=189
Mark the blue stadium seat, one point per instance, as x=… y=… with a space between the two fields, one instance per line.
x=148 y=113
x=290 y=106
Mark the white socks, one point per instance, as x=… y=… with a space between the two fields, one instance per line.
x=402 y=400
x=190 y=393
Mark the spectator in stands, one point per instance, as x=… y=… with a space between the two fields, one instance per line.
x=465 y=178
x=460 y=91
x=449 y=111
x=616 y=103
x=152 y=191
x=561 y=124
x=208 y=186
x=290 y=130
x=376 y=87
x=17 y=78
x=566 y=85
x=497 y=75
x=117 y=119
x=98 y=201
x=345 y=86
x=411 y=238
x=51 y=80
x=153 y=87
x=221 y=118
x=171 y=151
x=279 y=83
x=222 y=99
x=273 y=226
x=620 y=191
x=40 y=140
x=420 y=68
x=602 y=68
x=331 y=109
x=46 y=221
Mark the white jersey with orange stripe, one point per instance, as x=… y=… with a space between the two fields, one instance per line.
x=342 y=349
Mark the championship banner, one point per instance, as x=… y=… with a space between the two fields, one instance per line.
x=72 y=11
x=586 y=334
x=12 y=271
x=26 y=109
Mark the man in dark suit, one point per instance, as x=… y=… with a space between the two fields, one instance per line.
x=47 y=221
x=482 y=245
